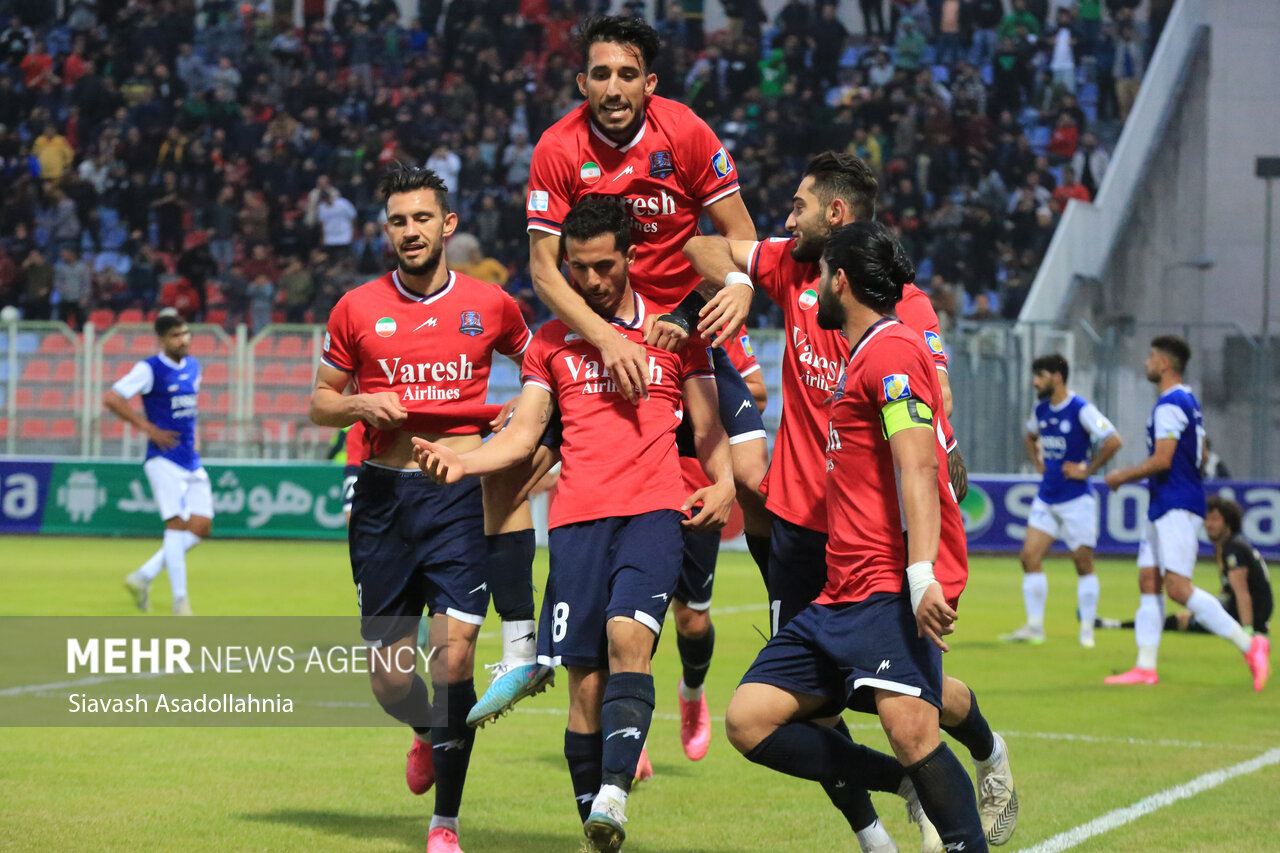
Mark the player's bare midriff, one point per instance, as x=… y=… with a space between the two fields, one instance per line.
x=400 y=454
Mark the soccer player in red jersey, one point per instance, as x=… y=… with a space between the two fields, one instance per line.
x=872 y=640
x=837 y=189
x=615 y=553
x=418 y=342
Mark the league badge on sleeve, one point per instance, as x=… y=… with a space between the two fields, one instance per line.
x=539 y=201
x=471 y=324
x=661 y=165
x=721 y=163
x=934 y=340
x=896 y=387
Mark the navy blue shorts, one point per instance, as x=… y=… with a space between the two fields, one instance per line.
x=698 y=569
x=601 y=569
x=349 y=474
x=738 y=411
x=797 y=569
x=415 y=546
x=842 y=653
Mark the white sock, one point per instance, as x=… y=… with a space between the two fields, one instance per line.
x=1087 y=598
x=1210 y=613
x=690 y=694
x=190 y=540
x=1035 y=589
x=1148 y=622
x=450 y=823
x=152 y=567
x=519 y=642
x=610 y=792
x=175 y=560
x=873 y=836
x=997 y=751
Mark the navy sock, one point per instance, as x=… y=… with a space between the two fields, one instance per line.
x=413 y=710
x=451 y=742
x=759 y=547
x=584 y=752
x=853 y=801
x=695 y=656
x=627 y=712
x=820 y=754
x=974 y=732
x=511 y=574
x=946 y=794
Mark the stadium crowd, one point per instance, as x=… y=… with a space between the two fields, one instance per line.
x=223 y=161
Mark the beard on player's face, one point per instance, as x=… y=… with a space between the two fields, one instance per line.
x=832 y=314
x=420 y=266
x=811 y=238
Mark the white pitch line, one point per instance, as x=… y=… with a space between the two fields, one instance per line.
x=1120 y=817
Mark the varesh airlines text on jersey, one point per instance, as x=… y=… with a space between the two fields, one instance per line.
x=414 y=374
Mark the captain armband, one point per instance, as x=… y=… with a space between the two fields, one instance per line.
x=905 y=414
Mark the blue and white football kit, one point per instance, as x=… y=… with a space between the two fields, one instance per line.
x=1175 y=512
x=1064 y=508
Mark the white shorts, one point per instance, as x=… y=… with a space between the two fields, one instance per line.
x=1171 y=543
x=1074 y=522
x=179 y=493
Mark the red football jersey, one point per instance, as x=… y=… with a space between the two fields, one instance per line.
x=618 y=459
x=673 y=168
x=357 y=446
x=866 y=552
x=916 y=310
x=812 y=361
x=433 y=351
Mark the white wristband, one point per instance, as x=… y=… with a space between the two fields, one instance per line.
x=739 y=278
x=919 y=577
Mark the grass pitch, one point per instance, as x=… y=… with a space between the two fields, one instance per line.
x=1080 y=750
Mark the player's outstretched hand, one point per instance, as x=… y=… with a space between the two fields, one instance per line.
x=627 y=363
x=717 y=503
x=1075 y=470
x=664 y=335
x=442 y=464
x=934 y=619
x=1114 y=480
x=384 y=410
x=726 y=311
x=162 y=438
x=500 y=421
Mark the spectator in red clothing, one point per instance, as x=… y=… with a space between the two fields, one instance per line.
x=1068 y=189
x=37 y=67
x=1062 y=145
x=260 y=263
x=179 y=295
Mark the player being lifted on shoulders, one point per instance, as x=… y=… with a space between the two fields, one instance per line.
x=418 y=343
x=1068 y=440
x=615 y=551
x=836 y=190
x=169 y=383
x=1175 y=515
x=872 y=640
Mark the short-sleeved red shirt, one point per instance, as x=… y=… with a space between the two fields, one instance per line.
x=673 y=168
x=866 y=548
x=434 y=351
x=618 y=459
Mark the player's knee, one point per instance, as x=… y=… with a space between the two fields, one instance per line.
x=743 y=728
x=201 y=526
x=912 y=731
x=390 y=686
x=690 y=622
x=1178 y=587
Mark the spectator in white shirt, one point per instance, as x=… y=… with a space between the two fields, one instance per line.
x=337 y=218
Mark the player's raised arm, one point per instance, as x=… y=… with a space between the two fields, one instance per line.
x=625 y=361
x=724 y=260
x=703 y=410
x=513 y=445
x=330 y=407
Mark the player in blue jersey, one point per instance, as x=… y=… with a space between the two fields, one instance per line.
x=1175 y=517
x=1068 y=440
x=169 y=383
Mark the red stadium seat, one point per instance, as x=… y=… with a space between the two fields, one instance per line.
x=272 y=373
x=37 y=370
x=25 y=398
x=261 y=403
x=302 y=374
x=65 y=371
x=203 y=344
x=214 y=430
x=102 y=318
x=292 y=346
x=4 y=425
x=275 y=430
x=56 y=344
x=288 y=403
x=112 y=428
x=114 y=345
x=219 y=404
x=215 y=373
x=130 y=315
x=143 y=345
x=63 y=428
x=34 y=428
x=52 y=400
x=121 y=369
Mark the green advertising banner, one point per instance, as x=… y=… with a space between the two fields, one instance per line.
x=276 y=500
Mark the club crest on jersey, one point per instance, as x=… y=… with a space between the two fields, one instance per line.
x=590 y=172
x=661 y=165
x=896 y=387
x=808 y=299
x=721 y=163
x=934 y=340
x=385 y=327
x=745 y=340
x=471 y=324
